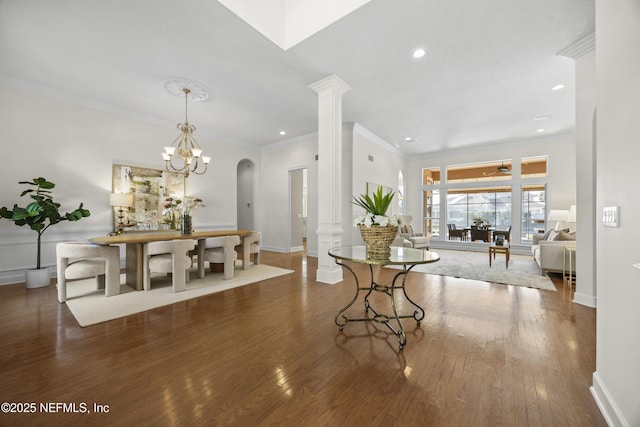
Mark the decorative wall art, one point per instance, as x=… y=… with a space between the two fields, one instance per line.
x=154 y=191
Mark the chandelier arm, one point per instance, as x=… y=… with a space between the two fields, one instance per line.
x=203 y=172
x=171 y=167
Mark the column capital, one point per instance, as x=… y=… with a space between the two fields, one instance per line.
x=332 y=82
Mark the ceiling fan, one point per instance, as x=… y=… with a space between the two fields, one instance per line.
x=500 y=169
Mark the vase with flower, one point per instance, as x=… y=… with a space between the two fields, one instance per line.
x=376 y=228
x=188 y=205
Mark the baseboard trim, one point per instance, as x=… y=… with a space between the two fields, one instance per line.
x=586 y=300
x=606 y=404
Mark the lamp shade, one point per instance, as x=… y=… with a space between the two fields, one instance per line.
x=572 y=214
x=558 y=215
x=121 y=199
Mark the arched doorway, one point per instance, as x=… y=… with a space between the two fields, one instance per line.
x=245 y=203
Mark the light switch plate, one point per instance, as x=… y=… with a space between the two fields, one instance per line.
x=610 y=216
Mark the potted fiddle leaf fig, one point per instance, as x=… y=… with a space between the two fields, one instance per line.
x=39 y=214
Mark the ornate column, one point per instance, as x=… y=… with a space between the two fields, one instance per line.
x=330 y=155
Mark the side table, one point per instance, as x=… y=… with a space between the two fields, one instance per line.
x=493 y=249
x=405 y=257
x=568 y=259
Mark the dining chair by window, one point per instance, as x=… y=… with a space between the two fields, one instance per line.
x=480 y=233
x=455 y=233
x=504 y=233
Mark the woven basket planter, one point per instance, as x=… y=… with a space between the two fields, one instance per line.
x=378 y=239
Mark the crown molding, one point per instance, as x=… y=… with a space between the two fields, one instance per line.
x=579 y=48
x=361 y=130
x=332 y=82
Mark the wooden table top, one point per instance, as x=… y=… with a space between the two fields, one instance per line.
x=153 y=236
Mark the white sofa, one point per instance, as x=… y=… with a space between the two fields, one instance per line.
x=549 y=254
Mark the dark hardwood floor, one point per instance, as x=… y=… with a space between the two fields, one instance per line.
x=270 y=354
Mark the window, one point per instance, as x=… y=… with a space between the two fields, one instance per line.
x=400 y=193
x=533 y=209
x=534 y=167
x=491 y=205
x=431 y=211
x=480 y=172
x=430 y=176
x=486 y=191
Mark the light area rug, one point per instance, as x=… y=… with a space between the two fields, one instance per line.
x=89 y=306
x=522 y=271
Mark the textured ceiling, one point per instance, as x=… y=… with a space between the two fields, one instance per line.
x=487 y=74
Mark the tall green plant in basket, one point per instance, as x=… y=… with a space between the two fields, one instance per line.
x=377 y=229
x=378 y=205
x=42 y=212
x=376 y=208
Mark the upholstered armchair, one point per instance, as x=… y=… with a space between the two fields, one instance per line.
x=405 y=230
x=168 y=257
x=250 y=246
x=80 y=260
x=220 y=250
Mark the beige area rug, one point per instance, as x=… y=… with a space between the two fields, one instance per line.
x=89 y=306
x=522 y=271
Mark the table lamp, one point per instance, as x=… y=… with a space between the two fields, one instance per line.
x=558 y=215
x=121 y=201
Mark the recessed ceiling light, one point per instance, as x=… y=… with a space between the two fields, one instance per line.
x=540 y=130
x=282 y=132
x=557 y=87
x=419 y=53
x=545 y=117
x=409 y=139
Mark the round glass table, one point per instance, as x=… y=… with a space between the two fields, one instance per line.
x=405 y=257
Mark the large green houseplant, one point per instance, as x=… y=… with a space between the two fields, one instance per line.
x=376 y=228
x=41 y=213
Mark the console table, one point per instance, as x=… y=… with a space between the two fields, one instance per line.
x=407 y=258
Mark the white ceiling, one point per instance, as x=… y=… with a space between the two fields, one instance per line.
x=487 y=74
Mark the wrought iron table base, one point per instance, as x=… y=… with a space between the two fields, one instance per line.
x=385 y=319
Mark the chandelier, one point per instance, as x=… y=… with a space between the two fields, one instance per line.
x=184 y=155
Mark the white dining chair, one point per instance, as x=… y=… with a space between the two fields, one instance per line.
x=168 y=257
x=220 y=250
x=81 y=260
x=251 y=245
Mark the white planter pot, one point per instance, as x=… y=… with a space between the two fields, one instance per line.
x=37 y=278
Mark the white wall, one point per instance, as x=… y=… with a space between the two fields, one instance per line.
x=277 y=160
x=383 y=170
x=75 y=146
x=615 y=382
x=586 y=292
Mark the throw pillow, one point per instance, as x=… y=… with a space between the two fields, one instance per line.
x=563 y=235
x=553 y=235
